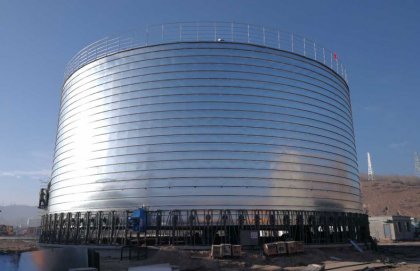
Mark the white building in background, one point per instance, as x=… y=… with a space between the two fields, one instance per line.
x=391 y=228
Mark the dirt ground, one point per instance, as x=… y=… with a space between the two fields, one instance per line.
x=398 y=257
x=9 y=245
x=344 y=258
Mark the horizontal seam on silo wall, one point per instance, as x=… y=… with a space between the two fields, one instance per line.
x=228 y=134
x=227 y=142
x=225 y=80
x=227 y=150
x=213 y=159
x=199 y=187
x=213 y=168
x=233 y=195
x=195 y=70
x=140 y=145
x=194 y=151
x=63 y=120
x=217 y=79
x=102 y=181
x=346 y=103
x=208 y=159
x=139 y=90
x=226 y=103
x=346 y=115
x=60 y=137
x=284 y=54
x=350 y=140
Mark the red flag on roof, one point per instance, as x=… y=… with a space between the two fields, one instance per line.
x=335 y=57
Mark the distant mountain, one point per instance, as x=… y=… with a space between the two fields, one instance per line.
x=391 y=195
x=17 y=214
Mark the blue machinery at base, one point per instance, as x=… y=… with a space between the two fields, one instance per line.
x=203 y=227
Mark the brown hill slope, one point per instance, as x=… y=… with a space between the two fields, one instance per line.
x=391 y=195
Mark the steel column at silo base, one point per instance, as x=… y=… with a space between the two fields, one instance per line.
x=205 y=125
x=205 y=227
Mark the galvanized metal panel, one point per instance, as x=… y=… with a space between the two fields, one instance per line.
x=205 y=125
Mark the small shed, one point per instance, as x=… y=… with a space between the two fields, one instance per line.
x=391 y=228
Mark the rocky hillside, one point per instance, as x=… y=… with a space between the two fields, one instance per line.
x=391 y=195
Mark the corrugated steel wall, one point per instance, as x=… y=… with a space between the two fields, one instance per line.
x=205 y=125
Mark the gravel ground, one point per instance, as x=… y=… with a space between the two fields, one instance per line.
x=16 y=245
x=401 y=259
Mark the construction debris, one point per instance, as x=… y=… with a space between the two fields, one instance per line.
x=225 y=251
x=154 y=267
x=314 y=267
x=278 y=248
x=270 y=249
x=356 y=246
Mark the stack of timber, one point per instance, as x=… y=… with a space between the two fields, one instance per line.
x=225 y=251
x=281 y=248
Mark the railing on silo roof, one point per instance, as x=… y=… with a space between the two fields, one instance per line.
x=207 y=31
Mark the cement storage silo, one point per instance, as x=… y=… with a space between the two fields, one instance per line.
x=205 y=116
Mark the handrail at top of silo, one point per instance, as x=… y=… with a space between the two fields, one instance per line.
x=207 y=31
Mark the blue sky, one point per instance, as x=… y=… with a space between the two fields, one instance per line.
x=378 y=41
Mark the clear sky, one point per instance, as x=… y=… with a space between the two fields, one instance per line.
x=378 y=41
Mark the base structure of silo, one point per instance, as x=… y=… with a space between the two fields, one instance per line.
x=205 y=227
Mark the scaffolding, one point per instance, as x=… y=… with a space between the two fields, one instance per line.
x=205 y=227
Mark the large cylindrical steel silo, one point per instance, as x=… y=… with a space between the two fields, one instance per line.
x=200 y=124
